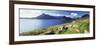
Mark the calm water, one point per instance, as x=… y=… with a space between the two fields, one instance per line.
x=31 y=24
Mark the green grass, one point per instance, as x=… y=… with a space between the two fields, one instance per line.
x=75 y=27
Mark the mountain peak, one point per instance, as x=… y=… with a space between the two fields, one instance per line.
x=45 y=16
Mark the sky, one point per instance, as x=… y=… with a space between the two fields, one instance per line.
x=37 y=12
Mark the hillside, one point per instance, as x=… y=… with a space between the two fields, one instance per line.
x=74 y=27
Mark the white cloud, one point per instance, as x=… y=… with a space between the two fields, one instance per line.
x=29 y=13
x=74 y=14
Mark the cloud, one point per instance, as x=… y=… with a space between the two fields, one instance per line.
x=30 y=13
x=73 y=14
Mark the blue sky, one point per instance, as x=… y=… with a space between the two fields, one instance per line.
x=37 y=12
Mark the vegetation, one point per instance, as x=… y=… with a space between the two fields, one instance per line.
x=75 y=27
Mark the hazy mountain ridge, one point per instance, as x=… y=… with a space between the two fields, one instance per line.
x=47 y=16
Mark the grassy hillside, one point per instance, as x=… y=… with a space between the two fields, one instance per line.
x=75 y=27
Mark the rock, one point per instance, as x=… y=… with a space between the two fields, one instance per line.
x=50 y=32
x=85 y=31
x=60 y=28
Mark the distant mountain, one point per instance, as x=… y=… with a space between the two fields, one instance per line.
x=85 y=16
x=45 y=16
x=59 y=17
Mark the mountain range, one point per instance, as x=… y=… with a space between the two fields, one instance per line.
x=47 y=16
